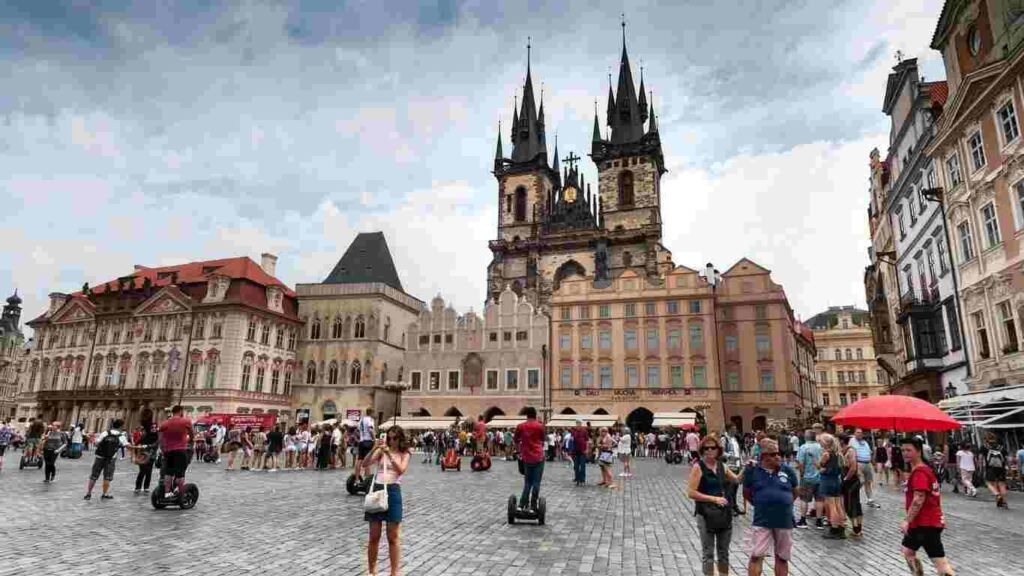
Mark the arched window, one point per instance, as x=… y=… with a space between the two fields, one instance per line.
x=520 y=209
x=384 y=374
x=246 y=371
x=860 y=353
x=625 y=188
x=387 y=328
x=356 y=373
x=839 y=354
x=360 y=328
x=123 y=366
x=332 y=373
x=311 y=373
x=314 y=329
x=336 y=328
x=849 y=354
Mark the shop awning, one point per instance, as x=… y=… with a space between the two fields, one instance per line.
x=994 y=408
x=674 y=419
x=506 y=421
x=419 y=423
x=569 y=420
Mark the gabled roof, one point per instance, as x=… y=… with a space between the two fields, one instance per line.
x=240 y=268
x=938 y=92
x=367 y=260
x=735 y=269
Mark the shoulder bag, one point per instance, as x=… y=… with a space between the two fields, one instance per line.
x=376 y=501
x=716 y=518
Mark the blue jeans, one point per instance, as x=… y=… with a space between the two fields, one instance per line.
x=579 y=466
x=531 y=484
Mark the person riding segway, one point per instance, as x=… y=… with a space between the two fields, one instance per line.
x=529 y=437
x=481 y=461
x=172 y=490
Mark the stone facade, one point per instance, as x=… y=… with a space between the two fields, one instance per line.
x=846 y=364
x=12 y=342
x=215 y=336
x=472 y=365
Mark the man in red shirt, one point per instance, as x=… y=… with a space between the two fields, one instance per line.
x=174 y=435
x=529 y=437
x=924 y=522
x=580 y=445
x=480 y=434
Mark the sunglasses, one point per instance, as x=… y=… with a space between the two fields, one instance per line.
x=769 y=453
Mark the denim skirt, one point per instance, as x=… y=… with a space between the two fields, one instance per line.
x=393 y=515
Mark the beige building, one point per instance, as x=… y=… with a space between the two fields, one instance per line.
x=217 y=335
x=847 y=367
x=470 y=365
x=639 y=347
x=979 y=152
x=352 y=347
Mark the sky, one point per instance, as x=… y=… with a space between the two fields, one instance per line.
x=163 y=132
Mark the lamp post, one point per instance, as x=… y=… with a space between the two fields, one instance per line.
x=714 y=279
x=398 y=388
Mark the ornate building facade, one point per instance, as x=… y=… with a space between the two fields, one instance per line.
x=216 y=336
x=846 y=363
x=11 y=352
x=551 y=225
x=352 y=349
x=470 y=365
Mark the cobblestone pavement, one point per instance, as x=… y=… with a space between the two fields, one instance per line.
x=304 y=523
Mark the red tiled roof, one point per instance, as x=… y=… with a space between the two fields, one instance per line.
x=938 y=92
x=240 y=268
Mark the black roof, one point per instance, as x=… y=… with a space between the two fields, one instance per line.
x=823 y=320
x=366 y=260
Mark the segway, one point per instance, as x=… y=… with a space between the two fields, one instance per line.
x=356 y=487
x=516 y=513
x=184 y=500
x=451 y=461
x=674 y=457
x=28 y=462
x=481 y=462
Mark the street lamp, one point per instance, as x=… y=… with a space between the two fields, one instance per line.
x=398 y=388
x=950 y=390
x=714 y=279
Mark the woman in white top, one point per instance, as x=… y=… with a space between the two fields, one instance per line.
x=392 y=458
x=625 y=453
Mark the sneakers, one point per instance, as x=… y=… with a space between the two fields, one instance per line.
x=106 y=497
x=88 y=497
x=802 y=523
x=273 y=470
x=820 y=524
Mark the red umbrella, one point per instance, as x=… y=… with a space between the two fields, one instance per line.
x=688 y=426
x=902 y=413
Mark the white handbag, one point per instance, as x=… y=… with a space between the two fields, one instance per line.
x=376 y=501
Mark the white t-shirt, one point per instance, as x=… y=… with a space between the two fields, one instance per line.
x=366 y=427
x=965 y=460
x=336 y=437
x=625 y=444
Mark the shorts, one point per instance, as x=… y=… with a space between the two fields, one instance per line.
x=365 y=447
x=830 y=487
x=103 y=466
x=175 y=463
x=995 y=474
x=30 y=443
x=393 y=515
x=775 y=541
x=927 y=537
x=810 y=489
x=867 y=474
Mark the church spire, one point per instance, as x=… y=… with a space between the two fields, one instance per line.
x=498 y=155
x=529 y=128
x=653 y=126
x=610 y=113
x=597 y=125
x=627 y=125
x=643 y=97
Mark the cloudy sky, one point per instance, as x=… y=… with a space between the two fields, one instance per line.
x=165 y=131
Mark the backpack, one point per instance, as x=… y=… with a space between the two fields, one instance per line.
x=109 y=445
x=995 y=459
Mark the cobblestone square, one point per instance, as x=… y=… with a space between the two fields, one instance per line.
x=303 y=523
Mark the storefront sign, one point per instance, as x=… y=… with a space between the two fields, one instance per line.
x=629 y=394
x=352 y=415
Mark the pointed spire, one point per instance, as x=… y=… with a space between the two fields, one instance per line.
x=515 y=118
x=627 y=125
x=653 y=126
x=597 y=125
x=555 y=165
x=529 y=141
x=497 y=152
x=610 y=119
x=643 y=97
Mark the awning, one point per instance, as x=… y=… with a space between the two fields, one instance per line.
x=993 y=408
x=419 y=423
x=569 y=420
x=506 y=421
x=674 y=419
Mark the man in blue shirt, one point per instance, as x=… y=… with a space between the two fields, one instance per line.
x=807 y=457
x=864 y=453
x=771 y=487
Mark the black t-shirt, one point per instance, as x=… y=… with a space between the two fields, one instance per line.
x=275 y=440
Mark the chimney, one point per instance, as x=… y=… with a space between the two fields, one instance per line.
x=57 y=299
x=269 y=263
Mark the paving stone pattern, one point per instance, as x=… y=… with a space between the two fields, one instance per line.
x=304 y=523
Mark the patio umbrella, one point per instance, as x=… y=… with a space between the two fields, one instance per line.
x=688 y=426
x=902 y=413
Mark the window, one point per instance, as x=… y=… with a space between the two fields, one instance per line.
x=862 y=376
x=314 y=329
x=291 y=339
x=160 y=329
x=675 y=337
x=275 y=380
x=823 y=377
x=336 y=328
x=988 y=219
x=763 y=340
x=694 y=306
x=953 y=169
x=311 y=373
x=520 y=208
x=700 y=377
x=265 y=334
x=696 y=338
x=605 y=375
x=1010 y=344
x=767 y=381
x=511 y=379
x=652 y=340
x=260 y=373
x=940 y=246
x=629 y=310
x=963 y=230
x=447 y=338
x=356 y=373
x=437 y=338
x=415 y=381
x=921 y=205
x=586 y=341
x=824 y=399
x=586 y=378
x=434 y=379
x=842 y=399
x=521 y=336
x=929 y=258
x=632 y=376
x=332 y=373
x=912 y=212
x=1008 y=123
x=672 y=307
x=604 y=311
x=899 y=221
x=493 y=337
x=115 y=336
x=732 y=382
x=492 y=380
x=453 y=379
x=584 y=312
x=211 y=375
x=849 y=354
x=247 y=373
x=625 y=188
x=841 y=376
x=629 y=338
x=565 y=342
x=851 y=377
x=565 y=377
x=954 y=326
x=977 y=150
x=279 y=337
x=981 y=335
x=838 y=354
x=360 y=328
x=649 y=309
x=533 y=379
x=604 y=340
x=506 y=336
x=675 y=374
x=654 y=377
x=566 y=313
x=760 y=311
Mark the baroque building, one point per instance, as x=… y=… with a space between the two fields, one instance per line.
x=215 y=336
x=846 y=364
x=355 y=323
x=491 y=364
x=11 y=352
x=550 y=222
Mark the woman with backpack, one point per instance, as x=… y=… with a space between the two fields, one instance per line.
x=995 y=469
x=708 y=480
x=850 y=486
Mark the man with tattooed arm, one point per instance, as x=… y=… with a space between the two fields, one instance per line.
x=922 y=528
